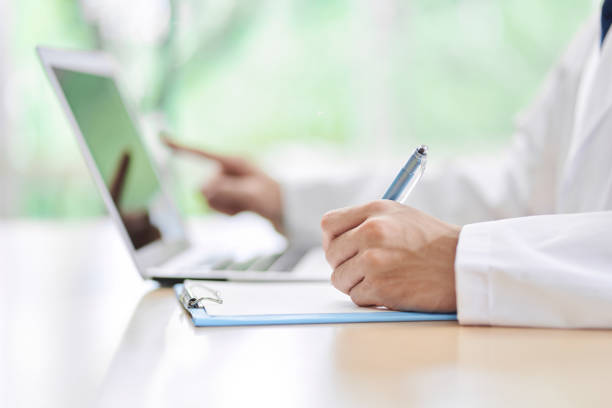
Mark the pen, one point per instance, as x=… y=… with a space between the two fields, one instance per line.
x=408 y=176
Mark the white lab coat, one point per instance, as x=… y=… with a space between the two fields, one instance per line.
x=536 y=246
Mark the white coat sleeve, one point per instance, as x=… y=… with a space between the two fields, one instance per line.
x=545 y=271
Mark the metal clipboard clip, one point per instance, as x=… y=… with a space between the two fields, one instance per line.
x=194 y=293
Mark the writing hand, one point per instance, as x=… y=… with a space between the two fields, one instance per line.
x=386 y=254
x=238 y=186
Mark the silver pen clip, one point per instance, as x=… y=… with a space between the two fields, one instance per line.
x=192 y=296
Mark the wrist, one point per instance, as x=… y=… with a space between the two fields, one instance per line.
x=452 y=244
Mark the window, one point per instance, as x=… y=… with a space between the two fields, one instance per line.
x=275 y=76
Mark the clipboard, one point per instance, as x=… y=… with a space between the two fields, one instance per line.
x=253 y=304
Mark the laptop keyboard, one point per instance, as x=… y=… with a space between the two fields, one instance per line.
x=282 y=261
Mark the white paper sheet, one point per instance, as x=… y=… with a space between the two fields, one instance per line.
x=266 y=298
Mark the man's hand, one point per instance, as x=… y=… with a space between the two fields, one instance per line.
x=239 y=186
x=386 y=254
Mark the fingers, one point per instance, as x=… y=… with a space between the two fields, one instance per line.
x=349 y=274
x=230 y=165
x=370 y=234
x=343 y=248
x=363 y=294
x=355 y=277
x=337 y=222
x=189 y=149
x=224 y=205
x=228 y=195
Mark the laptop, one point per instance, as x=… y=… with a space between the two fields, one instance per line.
x=148 y=221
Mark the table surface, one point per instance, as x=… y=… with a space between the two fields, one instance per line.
x=78 y=325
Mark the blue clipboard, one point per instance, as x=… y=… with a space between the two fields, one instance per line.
x=202 y=319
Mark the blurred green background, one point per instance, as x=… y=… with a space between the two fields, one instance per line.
x=267 y=78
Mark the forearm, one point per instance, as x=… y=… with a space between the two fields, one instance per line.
x=547 y=271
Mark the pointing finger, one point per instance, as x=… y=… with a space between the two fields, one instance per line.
x=179 y=147
x=230 y=165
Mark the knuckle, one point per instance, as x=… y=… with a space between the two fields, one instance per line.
x=374 y=229
x=373 y=259
x=373 y=206
x=326 y=220
x=357 y=300
x=378 y=205
x=376 y=289
x=361 y=298
x=324 y=223
x=336 y=281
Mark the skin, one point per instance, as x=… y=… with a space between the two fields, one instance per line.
x=383 y=253
x=238 y=186
x=386 y=254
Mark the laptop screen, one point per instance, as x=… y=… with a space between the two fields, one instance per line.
x=121 y=158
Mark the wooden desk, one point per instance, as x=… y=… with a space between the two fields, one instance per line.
x=78 y=325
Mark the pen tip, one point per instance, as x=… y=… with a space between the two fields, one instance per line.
x=422 y=149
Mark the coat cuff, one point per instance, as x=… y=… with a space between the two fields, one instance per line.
x=472 y=263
